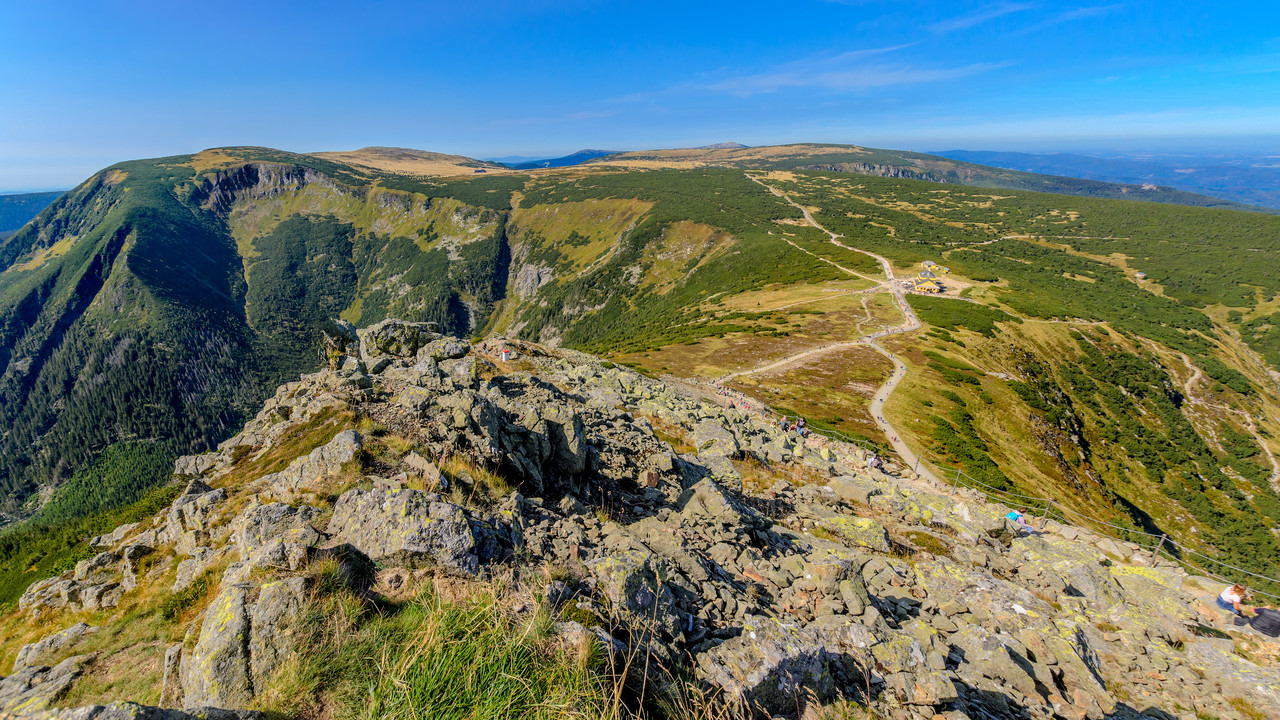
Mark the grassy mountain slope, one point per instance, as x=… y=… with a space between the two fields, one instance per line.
x=148 y=309
x=907 y=165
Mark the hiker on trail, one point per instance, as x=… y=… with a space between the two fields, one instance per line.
x=801 y=425
x=1019 y=520
x=1231 y=598
x=782 y=424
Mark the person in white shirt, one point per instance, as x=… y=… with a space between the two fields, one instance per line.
x=1231 y=598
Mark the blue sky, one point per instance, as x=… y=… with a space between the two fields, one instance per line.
x=83 y=85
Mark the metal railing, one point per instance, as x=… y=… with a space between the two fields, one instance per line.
x=1046 y=508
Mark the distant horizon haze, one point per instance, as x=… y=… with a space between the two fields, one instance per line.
x=101 y=83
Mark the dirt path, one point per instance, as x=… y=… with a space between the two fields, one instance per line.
x=1196 y=376
x=911 y=323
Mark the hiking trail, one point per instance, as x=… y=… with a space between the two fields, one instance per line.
x=912 y=323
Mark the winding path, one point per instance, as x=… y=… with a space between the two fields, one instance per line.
x=1196 y=376
x=899 y=369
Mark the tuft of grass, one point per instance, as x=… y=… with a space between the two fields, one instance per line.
x=471 y=483
x=440 y=659
x=927 y=542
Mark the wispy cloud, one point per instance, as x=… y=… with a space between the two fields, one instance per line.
x=850 y=71
x=1083 y=13
x=979 y=16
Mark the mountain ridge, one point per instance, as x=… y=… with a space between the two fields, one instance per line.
x=149 y=311
x=687 y=539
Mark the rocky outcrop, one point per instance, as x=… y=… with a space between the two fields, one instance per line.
x=242 y=641
x=837 y=581
x=32 y=690
x=408 y=527
x=49 y=645
x=275 y=534
x=324 y=460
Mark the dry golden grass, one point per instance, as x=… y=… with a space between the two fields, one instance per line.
x=698 y=157
x=406 y=161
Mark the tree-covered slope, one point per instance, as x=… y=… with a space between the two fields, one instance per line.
x=145 y=307
x=145 y=312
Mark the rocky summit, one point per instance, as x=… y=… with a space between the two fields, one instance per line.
x=695 y=547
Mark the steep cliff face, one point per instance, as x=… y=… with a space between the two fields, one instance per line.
x=215 y=279
x=776 y=574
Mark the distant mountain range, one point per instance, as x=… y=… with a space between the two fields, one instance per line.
x=1254 y=180
x=17 y=209
x=524 y=162
x=566 y=161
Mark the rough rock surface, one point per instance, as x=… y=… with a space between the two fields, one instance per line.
x=33 y=653
x=847 y=583
x=405 y=526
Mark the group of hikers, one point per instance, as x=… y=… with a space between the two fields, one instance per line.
x=739 y=401
x=797 y=426
x=1265 y=620
x=736 y=399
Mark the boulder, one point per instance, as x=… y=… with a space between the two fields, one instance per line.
x=636 y=585
x=777 y=667
x=190 y=568
x=113 y=538
x=406 y=526
x=396 y=338
x=275 y=524
x=188 y=518
x=444 y=348
x=242 y=643
x=216 y=672
x=855 y=489
x=340 y=340
x=273 y=627
x=30 y=654
x=33 y=689
x=134 y=711
x=713 y=438
x=708 y=502
x=324 y=460
x=856 y=532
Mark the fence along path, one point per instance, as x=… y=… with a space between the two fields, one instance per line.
x=1047 y=508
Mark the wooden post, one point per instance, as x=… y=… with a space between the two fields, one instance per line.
x=1156 y=550
x=1045 y=519
x=954 y=484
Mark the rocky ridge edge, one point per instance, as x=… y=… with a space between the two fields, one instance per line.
x=844 y=581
